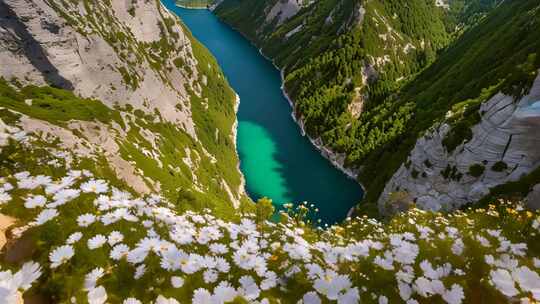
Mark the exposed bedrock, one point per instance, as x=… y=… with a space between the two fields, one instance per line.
x=507 y=135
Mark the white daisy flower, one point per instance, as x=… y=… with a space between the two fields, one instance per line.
x=61 y=255
x=91 y=278
x=95 y=186
x=162 y=300
x=503 y=281
x=86 y=220
x=191 y=263
x=249 y=288
x=115 y=237
x=137 y=255
x=45 y=216
x=29 y=273
x=270 y=280
x=35 y=201
x=22 y=175
x=139 y=271
x=528 y=280
x=224 y=293
x=457 y=247
x=351 y=296
x=4 y=197
x=66 y=195
x=28 y=183
x=243 y=259
x=119 y=251
x=7 y=187
x=74 y=238
x=96 y=242
x=311 y=298
x=97 y=295
x=455 y=295
x=177 y=282
x=332 y=284
x=202 y=296
x=210 y=276
x=483 y=241
x=42 y=180
x=222 y=265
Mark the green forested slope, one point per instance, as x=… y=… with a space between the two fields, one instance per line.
x=418 y=60
x=498 y=54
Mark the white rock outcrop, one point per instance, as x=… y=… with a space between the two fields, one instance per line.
x=284 y=9
x=508 y=132
x=86 y=52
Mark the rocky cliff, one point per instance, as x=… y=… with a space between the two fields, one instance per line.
x=504 y=147
x=136 y=61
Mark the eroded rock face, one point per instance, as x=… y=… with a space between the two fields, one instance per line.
x=283 y=10
x=508 y=133
x=101 y=52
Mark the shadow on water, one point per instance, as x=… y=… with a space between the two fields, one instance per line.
x=276 y=160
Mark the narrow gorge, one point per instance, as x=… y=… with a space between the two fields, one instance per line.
x=276 y=160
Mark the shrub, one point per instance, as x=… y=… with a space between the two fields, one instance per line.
x=499 y=166
x=476 y=170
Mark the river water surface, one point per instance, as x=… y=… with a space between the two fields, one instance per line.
x=276 y=160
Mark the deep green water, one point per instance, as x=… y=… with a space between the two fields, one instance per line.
x=277 y=161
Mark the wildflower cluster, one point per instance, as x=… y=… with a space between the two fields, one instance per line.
x=116 y=248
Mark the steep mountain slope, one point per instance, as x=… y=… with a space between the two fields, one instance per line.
x=122 y=87
x=463 y=89
x=118 y=177
x=358 y=79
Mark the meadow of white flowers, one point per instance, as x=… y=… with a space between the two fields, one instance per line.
x=98 y=244
x=94 y=242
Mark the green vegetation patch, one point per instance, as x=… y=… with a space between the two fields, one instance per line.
x=54 y=105
x=476 y=170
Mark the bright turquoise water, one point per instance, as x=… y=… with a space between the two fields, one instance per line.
x=277 y=161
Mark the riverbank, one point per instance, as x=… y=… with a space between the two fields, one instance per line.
x=242 y=188
x=334 y=158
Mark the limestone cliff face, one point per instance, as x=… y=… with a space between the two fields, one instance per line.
x=135 y=57
x=110 y=51
x=283 y=10
x=507 y=135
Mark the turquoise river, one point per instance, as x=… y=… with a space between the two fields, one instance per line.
x=276 y=160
